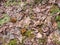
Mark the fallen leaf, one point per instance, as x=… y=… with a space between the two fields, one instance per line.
x=13 y=19
x=23 y=30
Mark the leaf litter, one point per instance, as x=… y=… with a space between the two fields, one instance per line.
x=30 y=22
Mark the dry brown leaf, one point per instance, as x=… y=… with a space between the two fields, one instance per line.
x=13 y=19
x=23 y=30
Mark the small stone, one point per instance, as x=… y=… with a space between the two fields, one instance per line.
x=26 y=22
x=22 y=4
x=11 y=36
x=58 y=2
x=38 y=35
x=36 y=10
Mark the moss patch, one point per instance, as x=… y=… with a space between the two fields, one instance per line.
x=13 y=42
x=5 y=19
x=54 y=9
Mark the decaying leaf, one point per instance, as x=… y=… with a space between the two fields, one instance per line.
x=13 y=19
x=23 y=30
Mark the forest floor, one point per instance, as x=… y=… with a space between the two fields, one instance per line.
x=29 y=22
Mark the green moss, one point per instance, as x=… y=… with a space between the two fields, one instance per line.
x=42 y=41
x=40 y=30
x=58 y=42
x=28 y=33
x=58 y=18
x=12 y=2
x=54 y=9
x=7 y=3
x=5 y=19
x=13 y=42
x=58 y=23
x=38 y=1
x=55 y=39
